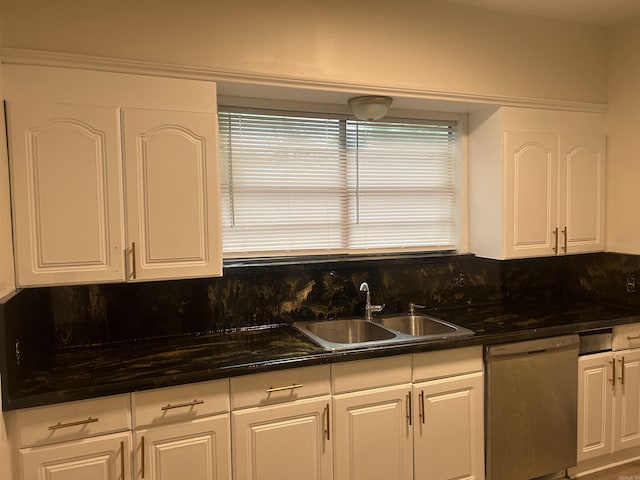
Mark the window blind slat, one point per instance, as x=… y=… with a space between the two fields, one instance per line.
x=296 y=184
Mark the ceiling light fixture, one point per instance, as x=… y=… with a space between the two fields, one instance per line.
x=370 y=107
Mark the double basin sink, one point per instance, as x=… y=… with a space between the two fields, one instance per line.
x=339 y=334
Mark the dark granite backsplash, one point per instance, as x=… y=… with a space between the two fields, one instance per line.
x=246 y=296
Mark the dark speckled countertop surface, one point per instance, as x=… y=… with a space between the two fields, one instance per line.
x=75 y=374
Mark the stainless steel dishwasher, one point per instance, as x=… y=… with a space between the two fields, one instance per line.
x=531 y=408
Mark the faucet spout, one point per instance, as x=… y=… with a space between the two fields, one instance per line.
x=368 y=308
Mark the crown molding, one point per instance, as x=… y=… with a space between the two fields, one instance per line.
x=15 y=56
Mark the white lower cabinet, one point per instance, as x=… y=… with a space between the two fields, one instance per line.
x=626 y=425
x=106 y=457
x=374 y=434
x=609 y=403
x=448 y=394
x=183 y=432
x=197 y=450
x=431 y=428
x=448 y=435
x=280 y=425
x=74 y=440
x=289 y=440
x=401 y=417
x=595 y=405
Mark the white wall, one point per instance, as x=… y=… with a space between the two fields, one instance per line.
x=623 y=167
x=414 y=44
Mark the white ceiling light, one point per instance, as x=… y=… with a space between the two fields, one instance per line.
x=370 y=107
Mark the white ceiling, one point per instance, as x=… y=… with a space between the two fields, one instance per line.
x=597 y=12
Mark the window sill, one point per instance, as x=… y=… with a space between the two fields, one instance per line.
x=335 y=259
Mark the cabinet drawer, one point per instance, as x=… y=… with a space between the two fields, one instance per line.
x=626 y=336
x=280 y=386
x=444 y=363
x=180 y=403
x=371 y=373
x=73 y=420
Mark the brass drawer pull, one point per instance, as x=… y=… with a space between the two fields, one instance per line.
x=613 y=370
x=181 y=405
x=133 y=260
x=328 y=420
x=59 y=425
x=286 y=387
x=634 y=337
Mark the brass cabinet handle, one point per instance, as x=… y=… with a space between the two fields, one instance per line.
x=555 y=234
x=327 y=420
x=142 y=455
x=613 y=371
x=621 y=377
x=634 y=337
x=122 y=458
x=285 y=387
x=422 y=406
x=409 y=409
x=72 y=424
x=133 y=259
x=565 y=232
x=181 y=405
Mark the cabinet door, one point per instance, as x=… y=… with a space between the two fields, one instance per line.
x=374 y=434
x=627 y=402
x=172 y=194
x=67 y=200
x=531 y=165
x=289 y=440
x=449 y=432
x=105 y=457
x=582 y=193
x=196 y=450
x=595 y=396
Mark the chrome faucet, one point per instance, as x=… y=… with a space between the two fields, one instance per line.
x=368 y=308
x=413 y=306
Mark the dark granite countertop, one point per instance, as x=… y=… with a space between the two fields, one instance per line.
x=82 y=373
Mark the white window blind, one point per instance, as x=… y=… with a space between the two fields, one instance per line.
x=310 y=184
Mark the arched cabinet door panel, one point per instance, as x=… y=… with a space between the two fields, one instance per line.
x=531 y=164
x=172 y=194
x=67 y=200
x=581 y=203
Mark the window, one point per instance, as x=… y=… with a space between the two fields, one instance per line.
x=306 y=184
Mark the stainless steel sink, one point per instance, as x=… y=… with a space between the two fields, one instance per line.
x=345 y=333
x=339 y=334
x=422 y=326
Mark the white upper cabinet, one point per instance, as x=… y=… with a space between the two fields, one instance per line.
x=531 y=171
x=581 y=201
x=113 y=183
x=172 y=193
x=536 y=183
x=67 y=200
